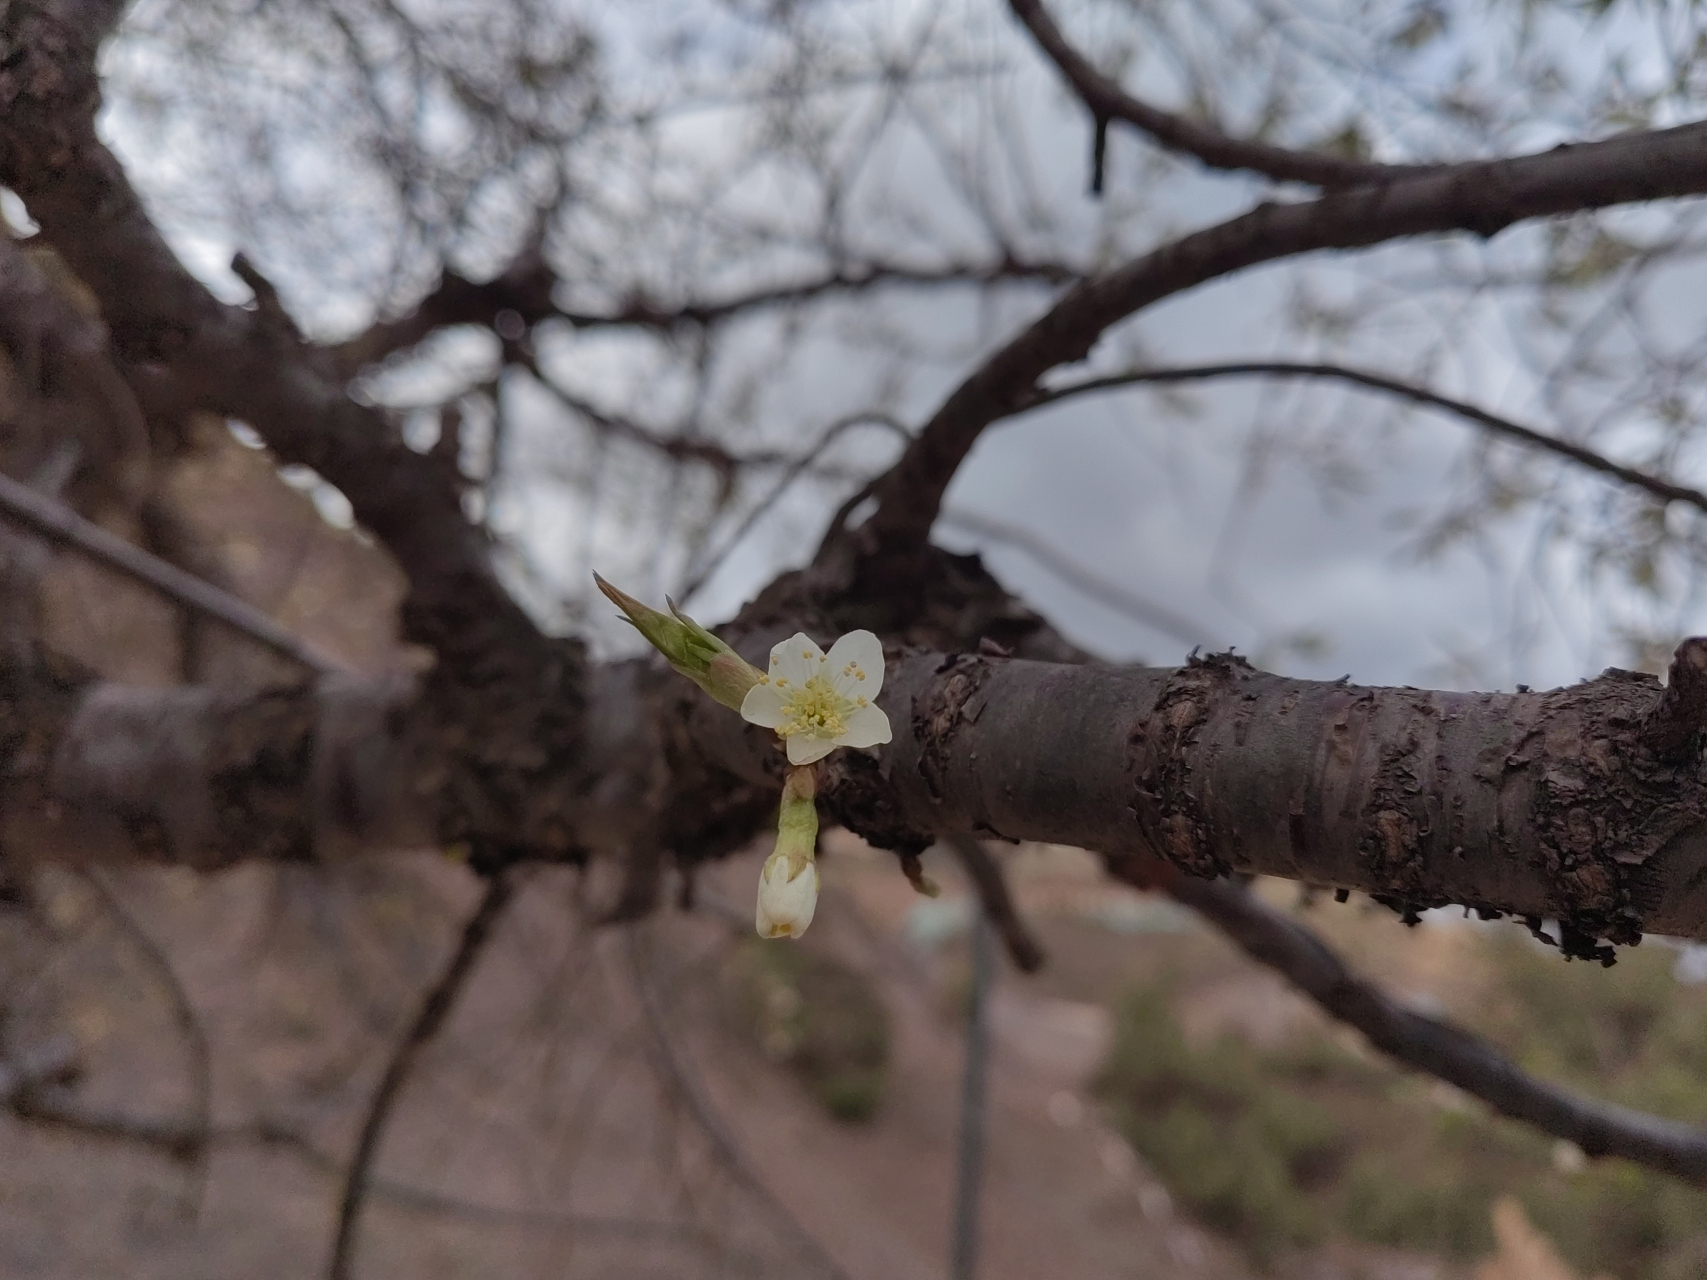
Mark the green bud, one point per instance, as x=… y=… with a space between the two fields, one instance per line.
x=788 y=885
x=688 y=647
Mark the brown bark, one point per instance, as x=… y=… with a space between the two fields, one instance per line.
x=1544 y=805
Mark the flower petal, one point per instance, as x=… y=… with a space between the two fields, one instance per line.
x=795 y=661
x=867 y=726
x=857 y=654
x=785 y=905
x=803 y=748
x=764 y=705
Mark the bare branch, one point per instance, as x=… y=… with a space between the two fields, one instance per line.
x=1664 y=490
x=1157 y=617
x=48 y=1105
x=1108 y=101
x=181 y=348
x=796 y=468
x=1217 y=767
x=525 y=291
x=59 y=523
x=728 y=1151
x=991 y=885
x=1437 y=1047
x=435 y=1007
x=1483 y=197
x=183 y=1012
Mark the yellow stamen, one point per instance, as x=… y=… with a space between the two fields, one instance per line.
x=817 y=711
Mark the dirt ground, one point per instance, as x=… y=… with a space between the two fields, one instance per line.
x=593 y=1107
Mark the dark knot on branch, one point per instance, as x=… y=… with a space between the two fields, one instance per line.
x=1681 y=712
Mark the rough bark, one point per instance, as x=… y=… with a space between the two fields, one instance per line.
x=1547 y=805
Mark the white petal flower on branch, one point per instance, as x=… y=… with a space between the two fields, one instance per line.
x=817 y=702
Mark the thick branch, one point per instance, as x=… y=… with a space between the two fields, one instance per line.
x=1545 y=805
x=1673 y=726
x=1539 y=804
x=1483 y=197
x=1108 y=101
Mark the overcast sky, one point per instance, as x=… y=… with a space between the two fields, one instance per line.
x=1247 y=547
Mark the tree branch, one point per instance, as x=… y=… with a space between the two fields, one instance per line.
x=435 y=1007
x=189 y=1026
x=1157 y=617
x=1439 y=1048
x=525 y=290
x=1108 y=101
x=729 y=1152
x=1663 y=489
x=991 y=886
x=1546 y=804
x=1673 y=726
x=1535 y=804
x=1482 y=197
x=58 y=523
x=181 y=348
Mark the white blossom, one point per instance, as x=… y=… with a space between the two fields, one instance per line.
x=818 y=702
x=788 y=895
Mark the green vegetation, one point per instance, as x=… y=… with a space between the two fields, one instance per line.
x=821 y=1018
x=1291 y=1146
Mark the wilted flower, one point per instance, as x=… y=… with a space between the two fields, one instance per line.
x=818 y=702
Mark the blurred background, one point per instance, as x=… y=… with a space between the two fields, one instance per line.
x=771 y=237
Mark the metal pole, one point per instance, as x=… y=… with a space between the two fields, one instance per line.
x=969 y=1171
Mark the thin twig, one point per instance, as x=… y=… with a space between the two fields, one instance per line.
x=189 y=1026
x=29 y=1101
x=796 y=469
x=1157 y=617
x=1665 y=490
x=991 y=885
x=723 y=1143
x=526 y=289
x=58 y=523
x=435 y=1006
x=1437 y=1047
x=1108 y=101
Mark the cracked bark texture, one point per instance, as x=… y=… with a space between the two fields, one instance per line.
x=1544 y=805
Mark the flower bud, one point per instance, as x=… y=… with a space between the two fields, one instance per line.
x=788 y=886
x=688 y=647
